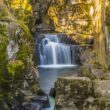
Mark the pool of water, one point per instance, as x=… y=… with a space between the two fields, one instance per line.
x=49 y=74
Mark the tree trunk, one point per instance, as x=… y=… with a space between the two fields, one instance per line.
x=99 y=44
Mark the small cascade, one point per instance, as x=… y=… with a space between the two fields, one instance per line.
x=53 y=53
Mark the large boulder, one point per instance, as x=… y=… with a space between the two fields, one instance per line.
x=72 y=92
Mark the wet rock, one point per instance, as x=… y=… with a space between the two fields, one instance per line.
x=40 y=102
x=36 y=103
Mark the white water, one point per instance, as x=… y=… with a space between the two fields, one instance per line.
x=57 y=66
x=54 y=54
x=53 y=45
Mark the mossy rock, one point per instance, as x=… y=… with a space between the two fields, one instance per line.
x=73 y=91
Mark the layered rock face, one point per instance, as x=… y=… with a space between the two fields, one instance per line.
x=80 y=93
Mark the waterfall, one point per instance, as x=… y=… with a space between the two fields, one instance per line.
x=53 y=45
x=54 y=53
x=56 y=58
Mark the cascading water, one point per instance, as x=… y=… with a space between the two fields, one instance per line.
x=54 y=54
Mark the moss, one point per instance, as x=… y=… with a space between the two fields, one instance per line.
x=67 y=17
x=15 y=68
x=13 y=72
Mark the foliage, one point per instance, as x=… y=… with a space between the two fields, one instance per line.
x=72 y=18
x=23 y=11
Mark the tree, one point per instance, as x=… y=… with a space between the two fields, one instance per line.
x=99 y=45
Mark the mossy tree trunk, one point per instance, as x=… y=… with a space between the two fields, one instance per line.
x=99 y=44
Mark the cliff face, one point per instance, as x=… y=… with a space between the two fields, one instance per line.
x=16 y=48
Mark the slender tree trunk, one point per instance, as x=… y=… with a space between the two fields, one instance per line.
x=99 y=44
